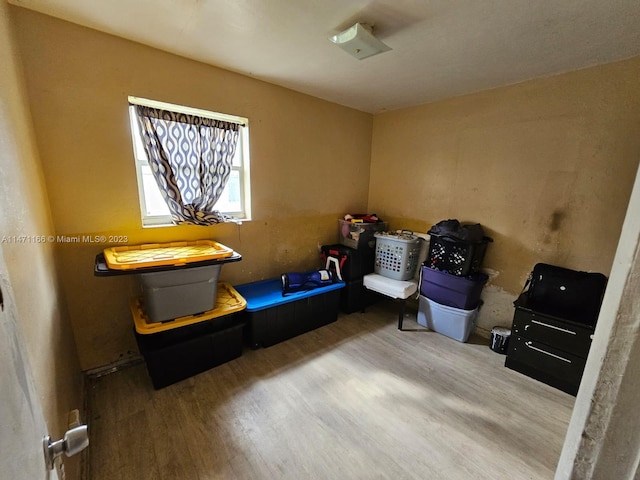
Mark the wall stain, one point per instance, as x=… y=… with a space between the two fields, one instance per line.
x=557 y=218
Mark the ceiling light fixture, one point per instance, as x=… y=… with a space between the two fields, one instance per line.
x=359 y=41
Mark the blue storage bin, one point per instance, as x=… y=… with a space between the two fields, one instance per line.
x=272 y=318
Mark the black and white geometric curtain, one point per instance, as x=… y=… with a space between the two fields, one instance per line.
x=191 y=158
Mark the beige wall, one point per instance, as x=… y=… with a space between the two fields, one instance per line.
x=31 y=274
x=309 y=165
x=545 y=166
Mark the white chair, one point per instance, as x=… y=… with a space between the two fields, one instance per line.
x=399 y=289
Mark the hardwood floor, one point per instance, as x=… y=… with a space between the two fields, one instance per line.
x=356 y=399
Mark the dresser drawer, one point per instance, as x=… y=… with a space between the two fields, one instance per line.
x=565 y=336
x=549 y=365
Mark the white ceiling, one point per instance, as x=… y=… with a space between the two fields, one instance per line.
x=441 y=48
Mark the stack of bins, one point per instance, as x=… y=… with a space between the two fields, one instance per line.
x=185 y=321
x=355 y=255
x=450 y=286
x=178 y=349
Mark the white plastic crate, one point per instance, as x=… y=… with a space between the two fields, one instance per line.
x=397 y=254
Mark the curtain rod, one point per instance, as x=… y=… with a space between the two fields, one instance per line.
x=145 y=102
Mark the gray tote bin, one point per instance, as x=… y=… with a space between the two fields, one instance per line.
x=179 y=293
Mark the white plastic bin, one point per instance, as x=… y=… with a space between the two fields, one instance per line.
x=449 y=321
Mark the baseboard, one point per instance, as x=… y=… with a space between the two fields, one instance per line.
x=114 y=367
x=483 y=332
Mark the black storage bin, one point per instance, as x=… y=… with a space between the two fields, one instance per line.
x=177 y=354
x=272 y=318
x=455 y=256
x=354 y=264
x=354 y=297
x=274 y=325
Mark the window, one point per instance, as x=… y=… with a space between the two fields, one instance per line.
x=235 y=199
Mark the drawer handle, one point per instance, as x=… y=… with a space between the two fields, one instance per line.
x=528 y=344
x=554 y=327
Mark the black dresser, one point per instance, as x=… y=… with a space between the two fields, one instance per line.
x=547 y=347
x=553 y=325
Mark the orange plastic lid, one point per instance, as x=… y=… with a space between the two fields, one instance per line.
x=228 y=301
x=159 y=254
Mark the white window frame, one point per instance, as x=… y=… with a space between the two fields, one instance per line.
x=240 y=163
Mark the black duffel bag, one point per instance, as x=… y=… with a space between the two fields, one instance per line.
x=566 y=293
x=453 y=230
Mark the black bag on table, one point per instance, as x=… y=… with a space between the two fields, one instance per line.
x=566 y=293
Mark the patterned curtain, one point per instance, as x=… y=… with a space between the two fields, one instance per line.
x=190 y=158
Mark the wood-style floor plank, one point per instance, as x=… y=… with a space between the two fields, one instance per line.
x=356 y=399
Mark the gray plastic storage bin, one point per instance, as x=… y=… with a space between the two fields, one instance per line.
x=449 y=321
x=359 y=235
x=178 y=293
